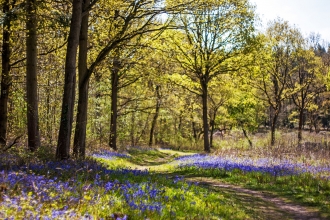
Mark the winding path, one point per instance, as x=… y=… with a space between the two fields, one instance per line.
x=264 y=204
x=259 y=204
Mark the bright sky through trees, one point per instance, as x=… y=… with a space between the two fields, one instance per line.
x=308 y=15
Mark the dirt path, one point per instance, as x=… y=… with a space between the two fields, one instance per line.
x=263 y=205
x=260 y=205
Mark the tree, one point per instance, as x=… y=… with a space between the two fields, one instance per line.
x=31 y=76
x=305 y=84
x=208 y=42
x=276 y=63
x=219 y=94
x=245 y=109
x=63 y=145
x=80 y=132
x=5 y=73
x=129 y=20
x=124 y=72
x=154 y=119
x=116 y=66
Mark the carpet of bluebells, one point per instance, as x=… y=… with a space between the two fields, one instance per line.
x=273 y=167
x=89 y=190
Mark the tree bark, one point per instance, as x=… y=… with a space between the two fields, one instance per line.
x=205 y=120
x=114 y=107
x=5 y=78
x=31 y=76
x=49 y=124
x=63 y=145
x=212 y=130
x=132 y=131
x=98 y=128
x=79 y=144
x=273 y=128
x=300 y=125
x=154 y=120
x=247 y=137
x=194 y=129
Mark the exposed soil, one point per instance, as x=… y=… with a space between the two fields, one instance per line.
x=263 y=205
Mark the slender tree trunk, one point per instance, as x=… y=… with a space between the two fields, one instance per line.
x=154 y=120
x=212 y=130
x=180 y=124
x=195 y=135
x=273 y=128
x=49 y=128
x=63 y=145
x=79 y=144
x=205 y=120
x=98 y=128
x=31 y=76
x=132 y=132
x=114 y=108
x=211 y=136
x=300 y=125
x=247 y=137
x=5 y=78
x=160 y=138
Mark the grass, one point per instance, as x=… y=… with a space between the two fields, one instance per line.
x=144 y=183
x=305 y=184
x=304 y=188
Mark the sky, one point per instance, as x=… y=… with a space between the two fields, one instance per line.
x=307 y=15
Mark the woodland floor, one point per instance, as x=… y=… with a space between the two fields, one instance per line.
x=260 y=204
x=264 y=205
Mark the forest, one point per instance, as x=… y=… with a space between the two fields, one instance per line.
x=161 y=109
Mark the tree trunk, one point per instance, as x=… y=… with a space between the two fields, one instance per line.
x=212 y=130
x=132 y=132
x=5 y=78
x=195 y=135
x=31 y=76
x=98 y=127
x=205 y=120
x=154 y=120
x=63 y=145
x=79 y=144
x=273 y=128
x=300 y=125
x=247 y=137
x=114 y=108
